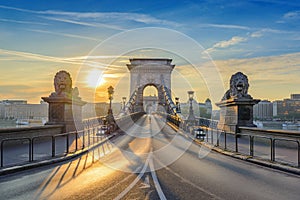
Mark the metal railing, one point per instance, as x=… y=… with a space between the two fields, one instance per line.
x=257 y=139
x=272 y=142
x=78 y=140
x=58 y=145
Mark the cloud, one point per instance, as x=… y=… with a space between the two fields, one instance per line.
x=31 y=56
x=63 y=34
x=267 y=75
x=292 y=15
x=69 y=17
x=136 y=17
x=256 y=34
x=225 y=26
x=23 y=22
x=99 y=25
x=227 y=43
x=17 y=9
x=262 y=32
x=102 y=62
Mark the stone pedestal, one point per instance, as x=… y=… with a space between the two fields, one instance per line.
x=235 y=113
x=66 y=111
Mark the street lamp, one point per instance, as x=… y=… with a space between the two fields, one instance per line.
x=110 y=117
x=191 y=116
x=191 y=95
x=124 y=102
x=110 y=91
x=178 y=110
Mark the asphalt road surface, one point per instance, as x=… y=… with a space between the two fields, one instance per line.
x=151 y=161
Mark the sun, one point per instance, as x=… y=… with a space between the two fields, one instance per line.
x=95 y=78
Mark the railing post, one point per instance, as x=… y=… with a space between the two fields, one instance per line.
x=67 y=143
x=236 y=143
x=298 y=153
x=218 y=136
x=53 y=146
x=225 y=140
x=251 y=145
x=272 y=149
x=93 y=135
x=212 y=136
x=2 y=144
x=30 y=150
x=83 y=139
x=89 y=139
x=76 y=142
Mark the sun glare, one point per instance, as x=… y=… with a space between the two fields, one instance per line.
x=95 y=78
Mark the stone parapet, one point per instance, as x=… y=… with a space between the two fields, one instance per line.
x=30 y=132
x=235 y=113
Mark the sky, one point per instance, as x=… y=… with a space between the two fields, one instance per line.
x=93 y=40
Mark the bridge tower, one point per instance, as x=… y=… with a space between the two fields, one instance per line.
x=150 y=72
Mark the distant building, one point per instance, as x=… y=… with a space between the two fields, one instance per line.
x=287 y=109
x=19 y=109
x=13 y=102
x=2 y=111
x=277 y=108
x=200 y=109
x=205 y=109
x=263 y=110
x=215 y=115
x=295 y=96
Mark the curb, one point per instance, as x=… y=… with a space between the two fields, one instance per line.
x=265 y=163
x=18 y=168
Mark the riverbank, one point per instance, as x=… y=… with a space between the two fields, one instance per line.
x=12 y=124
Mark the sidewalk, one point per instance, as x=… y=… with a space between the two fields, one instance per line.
x=262 y=162
x=17 y=168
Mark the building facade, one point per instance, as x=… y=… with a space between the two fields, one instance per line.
x=19 y=109
x=287 y=109
x=263 y=110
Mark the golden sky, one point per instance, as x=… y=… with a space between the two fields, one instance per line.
x=30 y=77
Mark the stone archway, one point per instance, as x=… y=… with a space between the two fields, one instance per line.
x=150 y=71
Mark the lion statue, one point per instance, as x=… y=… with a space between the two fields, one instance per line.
x=238 y=87
x=63 y=85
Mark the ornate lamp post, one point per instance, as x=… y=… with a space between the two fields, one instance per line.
x=110 y=116
x=123 y=103
x=178 y=110
x=191 y=117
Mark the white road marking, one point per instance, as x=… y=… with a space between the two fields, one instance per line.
x=155 y=180
x=146 y=183
x=149 y=161
x=189 y=182
x=122 y=194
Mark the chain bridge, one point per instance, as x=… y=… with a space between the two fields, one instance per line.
x=135 y=155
